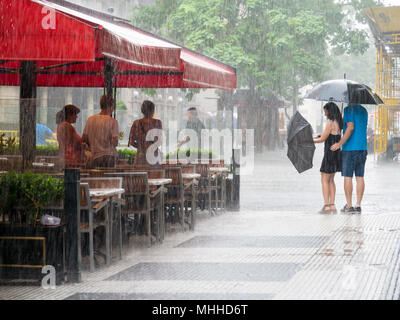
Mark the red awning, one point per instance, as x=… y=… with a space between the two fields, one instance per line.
x=70 y=43
x=203 y=72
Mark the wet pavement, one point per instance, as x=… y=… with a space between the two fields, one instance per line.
x=276 y=247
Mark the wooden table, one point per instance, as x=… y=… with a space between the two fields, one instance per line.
x=159 y=182
x=120 y=174
x=152 y=182
x=219 y=169
x=191 y=176
x=42 y=164
x=108 y=193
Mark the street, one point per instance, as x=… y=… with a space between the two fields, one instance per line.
x=276 y=247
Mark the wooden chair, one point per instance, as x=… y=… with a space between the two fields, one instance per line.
x=124 y=166
x=219 y=182
x=96 y=173
x=217 y=163
x=156 y=172
x=5 y=164
x=205 y=186
x=190 y=195
x=140 y=200
x=114 y=206
x=13 y=162
x=88 y=211
x=174 y=199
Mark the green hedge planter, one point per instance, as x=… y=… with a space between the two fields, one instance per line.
x=127 y=154
x=25 y=250
x=185 y=153
x=26 y=245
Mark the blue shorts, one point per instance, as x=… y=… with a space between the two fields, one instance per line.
x=353 y=162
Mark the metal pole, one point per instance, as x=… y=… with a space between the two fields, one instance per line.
x=73 y=235
x=236 y=180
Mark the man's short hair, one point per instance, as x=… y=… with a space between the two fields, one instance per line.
x=106 y=101
x=148 y=108
x=192 y=111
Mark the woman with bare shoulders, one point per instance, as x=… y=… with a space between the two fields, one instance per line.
x=139 y=132
x=331 y=162
x=71 y=146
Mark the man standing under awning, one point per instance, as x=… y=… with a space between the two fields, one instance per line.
x=195 y=124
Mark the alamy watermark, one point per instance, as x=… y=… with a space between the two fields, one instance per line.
x=49 y=280
x=49 y=20
x=220 y=142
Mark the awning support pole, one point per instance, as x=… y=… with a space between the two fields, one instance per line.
x=73 y=234
x=108 y=76
x=27 y=112
x=236 y=179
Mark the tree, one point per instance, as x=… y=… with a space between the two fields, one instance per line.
x=278 y=45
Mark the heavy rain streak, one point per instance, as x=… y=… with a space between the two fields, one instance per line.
x=199 y=150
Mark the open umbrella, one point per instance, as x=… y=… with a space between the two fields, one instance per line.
x=345 y=91
x=300 y=143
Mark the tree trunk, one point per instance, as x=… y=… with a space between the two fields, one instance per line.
x=295 y=98
x=27 y=112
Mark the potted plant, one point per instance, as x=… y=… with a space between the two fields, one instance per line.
x=187 y=152
x=127 y=155
x=26 y=246
x=7 y=144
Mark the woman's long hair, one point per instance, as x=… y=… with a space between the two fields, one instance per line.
x=65 y=112
x=334 y=113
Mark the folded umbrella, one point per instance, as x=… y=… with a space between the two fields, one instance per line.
x=300 y=143
x=345 y=91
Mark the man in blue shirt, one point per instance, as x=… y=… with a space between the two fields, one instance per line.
x=354 y=153
x=42 y=133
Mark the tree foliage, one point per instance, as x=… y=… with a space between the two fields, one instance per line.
x=277 y=45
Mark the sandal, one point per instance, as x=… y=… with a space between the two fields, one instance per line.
x=323 y=210
x=334 y=210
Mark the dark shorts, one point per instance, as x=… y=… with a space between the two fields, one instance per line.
x=353 y=162
x=105 y=162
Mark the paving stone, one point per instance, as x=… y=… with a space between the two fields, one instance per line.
x=254 y=242
x=209 y=271
x=163 y=296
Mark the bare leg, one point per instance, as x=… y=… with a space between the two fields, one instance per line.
x=360 y=189
x=325 y=187
x=348 y=190
x=332 y=191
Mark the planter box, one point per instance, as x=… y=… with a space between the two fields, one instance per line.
x=25 y=250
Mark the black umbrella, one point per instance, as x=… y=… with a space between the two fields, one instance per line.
x=345 y=91
x=300 y=143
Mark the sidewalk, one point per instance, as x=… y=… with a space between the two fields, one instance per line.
x=276 y=247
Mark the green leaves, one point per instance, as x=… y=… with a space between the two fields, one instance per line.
x=278 y=45
x=127 y=154
x=29 y=191
x=186 y=152
x=7 y=144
